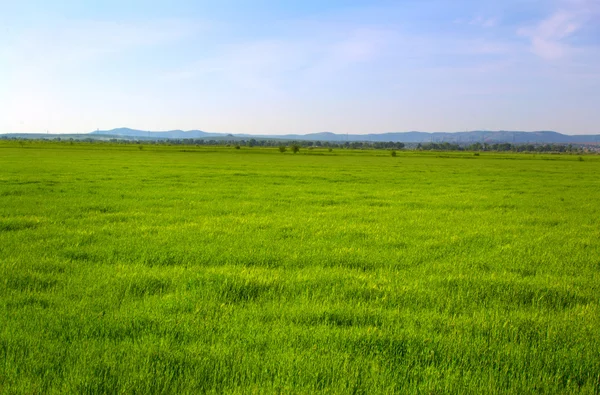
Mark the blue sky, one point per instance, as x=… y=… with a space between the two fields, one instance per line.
x=274 y=67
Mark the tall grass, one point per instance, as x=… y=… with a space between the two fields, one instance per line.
x=223 y=270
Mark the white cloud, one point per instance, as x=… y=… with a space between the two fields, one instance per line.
x=550 y=37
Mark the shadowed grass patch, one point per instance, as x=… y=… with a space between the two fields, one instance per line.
x=512 y=294
x=29 y=282
x=16 y=224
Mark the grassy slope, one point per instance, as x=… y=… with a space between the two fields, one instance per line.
x=222 y=270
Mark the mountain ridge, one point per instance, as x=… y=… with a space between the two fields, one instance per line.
x=501 y=136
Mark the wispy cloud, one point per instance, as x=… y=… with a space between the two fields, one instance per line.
x=274 y=64
x=482 y=21
x=71 y=43
x=362 y=44
x=550 y=37
x=479 y=21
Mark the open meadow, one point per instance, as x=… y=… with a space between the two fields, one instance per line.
x=215 y=270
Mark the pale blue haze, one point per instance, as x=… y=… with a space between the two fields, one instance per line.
x=270 y=67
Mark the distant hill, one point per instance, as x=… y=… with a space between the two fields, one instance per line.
x=62 y=136
x=171 y=134
x=513 y=137
x=517 y=137
x=545 y=137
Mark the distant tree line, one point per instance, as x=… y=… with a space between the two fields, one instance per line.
x=498 y=147
x=278 y=143
x=390 y=145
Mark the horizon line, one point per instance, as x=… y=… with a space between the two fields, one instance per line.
x=302 y=134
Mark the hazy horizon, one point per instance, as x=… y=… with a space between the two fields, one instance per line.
x=301 y=134
x=268 y=68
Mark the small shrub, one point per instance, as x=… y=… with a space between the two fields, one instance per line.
x=580 y=159
x=237 y=147
x=476 y=154
x=295 y=148
x=140 y=147
x=330 y=150
x=393 y=153
x=282 y=148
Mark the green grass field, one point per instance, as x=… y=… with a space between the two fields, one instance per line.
x=212 y=270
